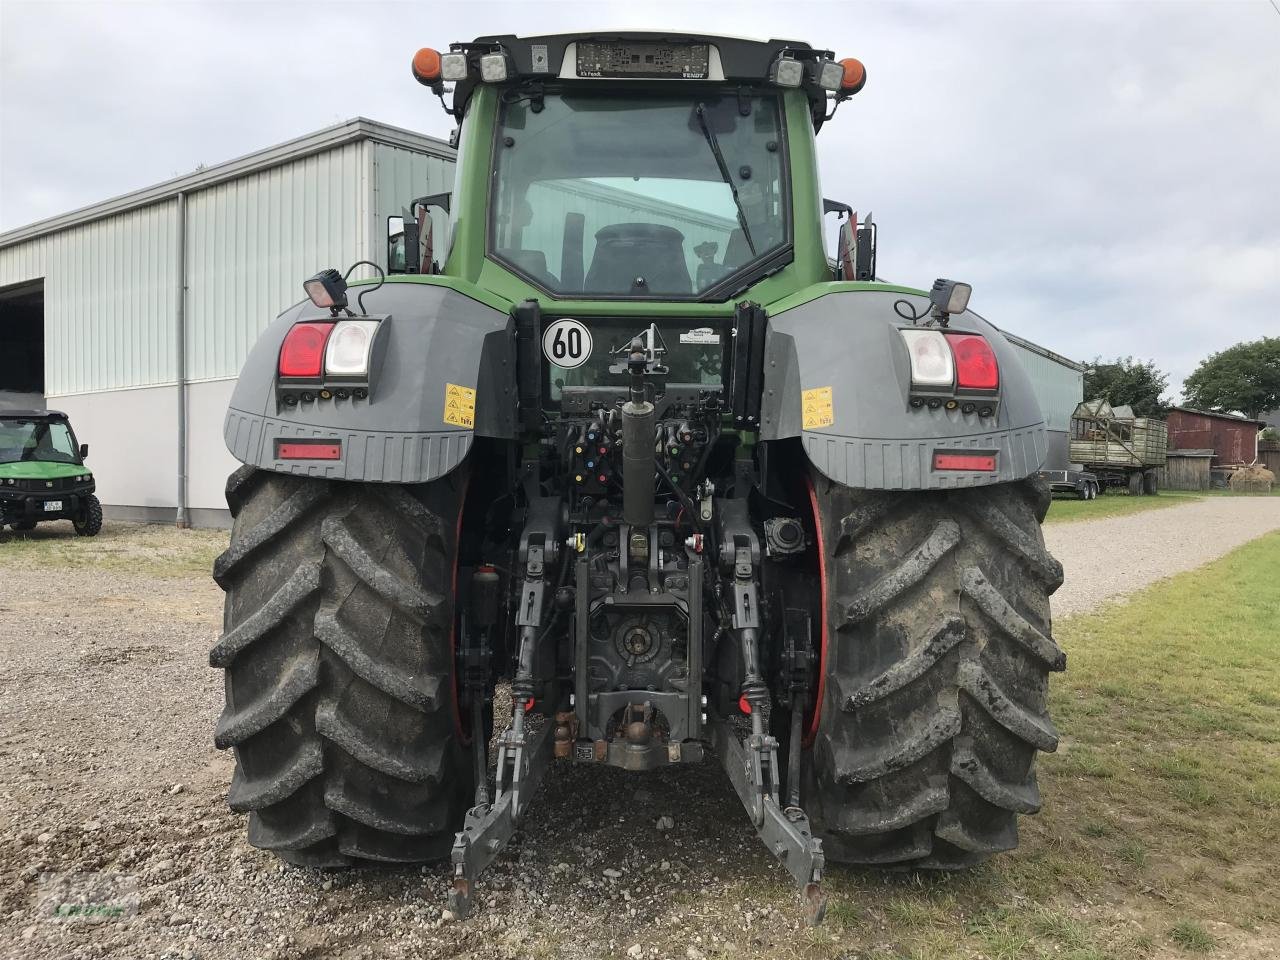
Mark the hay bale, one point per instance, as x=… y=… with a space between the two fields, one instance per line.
x=1254 y=478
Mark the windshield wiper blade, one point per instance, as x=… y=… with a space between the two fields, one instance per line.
x=714 y=144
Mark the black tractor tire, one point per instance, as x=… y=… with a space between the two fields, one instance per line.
x=936 y=673
x=89 y=523
x=1150 y=485
x=338 y=652
x=24 y=525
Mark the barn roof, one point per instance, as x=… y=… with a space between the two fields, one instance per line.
x=1220 y=415
x=359 y=128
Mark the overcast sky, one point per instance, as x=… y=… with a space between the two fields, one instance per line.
x=1106 y=175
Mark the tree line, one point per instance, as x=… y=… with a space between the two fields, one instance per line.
x=1243 y=379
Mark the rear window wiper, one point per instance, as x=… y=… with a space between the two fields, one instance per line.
x=714 y=144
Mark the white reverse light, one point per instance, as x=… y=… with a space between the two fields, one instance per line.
x=347 y=353
x=453 y=66
x=931 y=362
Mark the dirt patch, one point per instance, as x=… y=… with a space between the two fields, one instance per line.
x=107 y=707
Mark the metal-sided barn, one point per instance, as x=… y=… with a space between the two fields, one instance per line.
x=135 y=315
x=1058 y=384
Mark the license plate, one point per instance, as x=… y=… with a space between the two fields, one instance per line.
x=50 y=505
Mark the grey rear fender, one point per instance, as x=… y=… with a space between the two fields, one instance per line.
x=436 y=347
x=847 y=341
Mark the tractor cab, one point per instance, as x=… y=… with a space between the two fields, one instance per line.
x=634 y=167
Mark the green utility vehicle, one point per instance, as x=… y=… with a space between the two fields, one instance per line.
x=626 y=443
x=42 y=473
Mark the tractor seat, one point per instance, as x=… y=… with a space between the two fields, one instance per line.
x=532 y=262
x=628 y=251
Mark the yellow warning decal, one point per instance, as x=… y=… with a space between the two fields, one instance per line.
x=460 y=406
x=816 y=408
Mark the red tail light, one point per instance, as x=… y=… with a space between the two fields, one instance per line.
x=980 y=462
x=976 y=366
x=302 y=353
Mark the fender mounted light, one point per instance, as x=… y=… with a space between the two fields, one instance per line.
x=349 y=349
x=327 y=289
x=976 y=364
x=302 y=353
x=949 y=296
x=931 y=362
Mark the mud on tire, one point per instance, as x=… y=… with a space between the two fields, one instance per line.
x=338 y=655
x=939 y=650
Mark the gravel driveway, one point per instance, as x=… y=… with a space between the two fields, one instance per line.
x=1111 y=558
x=107 y=707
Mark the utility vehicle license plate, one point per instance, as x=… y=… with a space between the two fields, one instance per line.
x=50 y=505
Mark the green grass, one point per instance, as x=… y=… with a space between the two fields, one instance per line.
x=1066 y=509
x=1162 y=805
x=1191 y=936
x=150 y=549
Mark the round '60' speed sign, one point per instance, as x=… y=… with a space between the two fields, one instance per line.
x=567 y=343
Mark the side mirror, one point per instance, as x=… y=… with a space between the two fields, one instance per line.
x=84 y=451
x=856 y=257
x=402 y=244
x=426 y=239
x=846 y=252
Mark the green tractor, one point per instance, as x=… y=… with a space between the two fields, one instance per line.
x=42 y=473
x=628 y=444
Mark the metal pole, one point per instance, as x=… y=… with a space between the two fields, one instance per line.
x=181 y=357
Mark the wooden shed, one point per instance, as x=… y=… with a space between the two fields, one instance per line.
x=1186 y=470
x=1234 y=439
x=1269 y=455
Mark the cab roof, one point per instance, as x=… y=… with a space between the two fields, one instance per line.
x=32 y=415
x=548 y=57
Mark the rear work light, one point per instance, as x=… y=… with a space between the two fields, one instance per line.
x=302 y=353
x=970 y=462
x=976 y=366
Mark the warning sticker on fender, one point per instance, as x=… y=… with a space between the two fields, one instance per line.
x=816 y=408
x=460 y=406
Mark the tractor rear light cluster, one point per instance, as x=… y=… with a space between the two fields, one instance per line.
x=320 y=360
x=947 y=367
